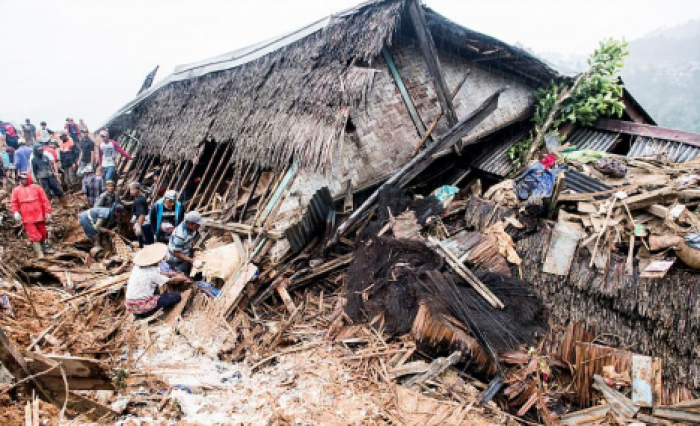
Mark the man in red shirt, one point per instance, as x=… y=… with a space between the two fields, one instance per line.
x=32 y=208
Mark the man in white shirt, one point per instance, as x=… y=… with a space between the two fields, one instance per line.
x=145 y=278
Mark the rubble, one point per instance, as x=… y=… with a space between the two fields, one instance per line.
x=353 y=272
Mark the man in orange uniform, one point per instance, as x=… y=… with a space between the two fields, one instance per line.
x=31 y=207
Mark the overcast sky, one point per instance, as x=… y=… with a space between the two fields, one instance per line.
x=87 y=58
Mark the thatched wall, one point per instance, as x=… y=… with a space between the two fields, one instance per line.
x=657 y=317
x=291 y=103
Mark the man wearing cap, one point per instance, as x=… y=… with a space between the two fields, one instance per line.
x=87 y=147
x=139 y=215
x=32 y=208
x=108 y=150
x=145 y=278
x=166 y=214
x=93 y=185
x=109 y=197
x=42 y=170
x=97 y=221
x=180 y=247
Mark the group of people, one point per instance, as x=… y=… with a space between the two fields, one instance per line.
x=57 y=164
x=166 y=237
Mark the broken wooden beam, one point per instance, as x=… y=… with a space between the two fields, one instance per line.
x=437 y=367
x=241 y=228
x=430 y=55
x=648 y=130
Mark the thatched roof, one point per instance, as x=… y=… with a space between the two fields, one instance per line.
x=289 y=97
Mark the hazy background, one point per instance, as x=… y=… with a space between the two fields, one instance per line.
x=86 y=58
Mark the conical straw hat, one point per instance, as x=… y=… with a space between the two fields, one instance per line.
x=150 y=255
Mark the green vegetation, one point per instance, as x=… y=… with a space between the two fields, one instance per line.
x=597 y=92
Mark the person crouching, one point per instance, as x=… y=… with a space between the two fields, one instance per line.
x=145 y=278
x=97 y=221
x=181 y=245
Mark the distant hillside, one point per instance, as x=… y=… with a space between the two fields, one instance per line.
x=662 y=72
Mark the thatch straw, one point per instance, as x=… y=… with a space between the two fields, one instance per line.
x=291 y=104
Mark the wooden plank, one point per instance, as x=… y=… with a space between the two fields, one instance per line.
x=417 y=121
x=176 y=312
x=430 y=55
x=648 y=130
x=14 y=362
x=287 y=299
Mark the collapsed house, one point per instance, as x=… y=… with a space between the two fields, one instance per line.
x=291 y=145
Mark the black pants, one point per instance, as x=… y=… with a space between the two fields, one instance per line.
x=51 y=186
x=165 y=301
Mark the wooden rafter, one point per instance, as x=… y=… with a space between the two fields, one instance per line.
x=427 y=45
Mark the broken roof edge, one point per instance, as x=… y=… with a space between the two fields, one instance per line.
x=239 y=57
x=242 y=56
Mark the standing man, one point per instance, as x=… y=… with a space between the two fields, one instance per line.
x=45 y=133
x=22 y=155
x=31 y=207
x=166 y=214
x=11 y=138
x=69 y=153
x=109 y=197
x=42 y=170
x=29 y=132
x=87 y=147
x=108 y=150
x=73 y=130
x=139 y=215
x=93 y=186
x=180 y=248
x=83 y=127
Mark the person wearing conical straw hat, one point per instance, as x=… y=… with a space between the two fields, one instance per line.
x=145 y=278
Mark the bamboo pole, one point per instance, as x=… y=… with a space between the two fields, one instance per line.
x=217 y=171
x=206 y=172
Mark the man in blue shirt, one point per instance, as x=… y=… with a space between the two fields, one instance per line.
x=181 y=244
x=22 y=157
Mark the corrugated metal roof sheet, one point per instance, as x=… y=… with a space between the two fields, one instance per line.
x=676 y=152
x=597 y=140
x=582 y=184
x=495 y=159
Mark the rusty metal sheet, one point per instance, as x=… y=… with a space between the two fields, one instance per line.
x=642 y=380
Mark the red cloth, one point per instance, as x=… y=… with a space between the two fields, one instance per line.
x=549 y=161
x=31 y=202
x=52 y=152
x=36 y=232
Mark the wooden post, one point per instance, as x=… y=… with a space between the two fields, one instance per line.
x=217 y=171
x=175 y=175
x=427 y=45
x=206 y=172
x=164 y=171
x=252 y=193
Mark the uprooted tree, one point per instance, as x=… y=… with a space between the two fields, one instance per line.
x=597 y=92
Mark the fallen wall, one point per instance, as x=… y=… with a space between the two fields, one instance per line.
x=656 y=317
